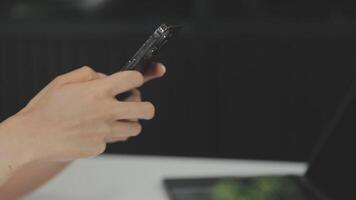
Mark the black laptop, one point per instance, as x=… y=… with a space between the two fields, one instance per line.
x=330 y=174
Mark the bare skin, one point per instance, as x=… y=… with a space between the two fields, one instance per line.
x=75 y=116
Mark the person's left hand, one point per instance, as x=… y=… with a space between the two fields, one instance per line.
x=156 y=71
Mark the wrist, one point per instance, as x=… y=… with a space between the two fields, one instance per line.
x=14 y=149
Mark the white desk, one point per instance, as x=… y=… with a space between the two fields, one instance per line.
x=140 y=178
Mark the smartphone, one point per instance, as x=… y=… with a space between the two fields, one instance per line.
x=143 y=58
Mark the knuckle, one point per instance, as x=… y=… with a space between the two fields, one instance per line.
x=137 y=78
x=93 y=91
x=87 y=68
x=107 y=86
x=116 y=109
x=59 y=79
x=89 y=72
x=99 y=90
x=111 y=115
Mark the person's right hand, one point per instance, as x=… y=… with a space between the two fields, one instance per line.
x=73 y=115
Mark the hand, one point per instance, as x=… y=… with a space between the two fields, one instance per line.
x=156 y=71
x=73 y=115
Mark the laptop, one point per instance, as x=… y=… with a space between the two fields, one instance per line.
x=330 y=174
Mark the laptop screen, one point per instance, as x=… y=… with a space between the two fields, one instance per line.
x=332 y=171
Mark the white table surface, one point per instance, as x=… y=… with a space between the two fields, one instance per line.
x=140 y=178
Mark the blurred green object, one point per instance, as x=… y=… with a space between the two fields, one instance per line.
x=260 y=188
x=226 y=190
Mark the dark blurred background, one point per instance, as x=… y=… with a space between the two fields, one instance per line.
x=256 y=79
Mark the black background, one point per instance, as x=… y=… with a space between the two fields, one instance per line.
x=255 y=79
x=335 y=180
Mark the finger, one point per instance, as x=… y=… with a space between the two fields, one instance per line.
x=111 y=140
x=121 y=82
x=132 y=111
x=156 y=71
x=124 y=129
x=134 y=97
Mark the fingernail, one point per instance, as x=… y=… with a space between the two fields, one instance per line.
x=164 y=69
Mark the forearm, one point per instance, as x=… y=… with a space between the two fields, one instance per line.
x=30 y=177
x=7 y=166
x=12 y=153
x=19 y=174
x=6 y=171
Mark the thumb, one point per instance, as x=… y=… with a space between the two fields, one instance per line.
x=157 y=70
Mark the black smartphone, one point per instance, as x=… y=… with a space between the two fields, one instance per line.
x=143 y=58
